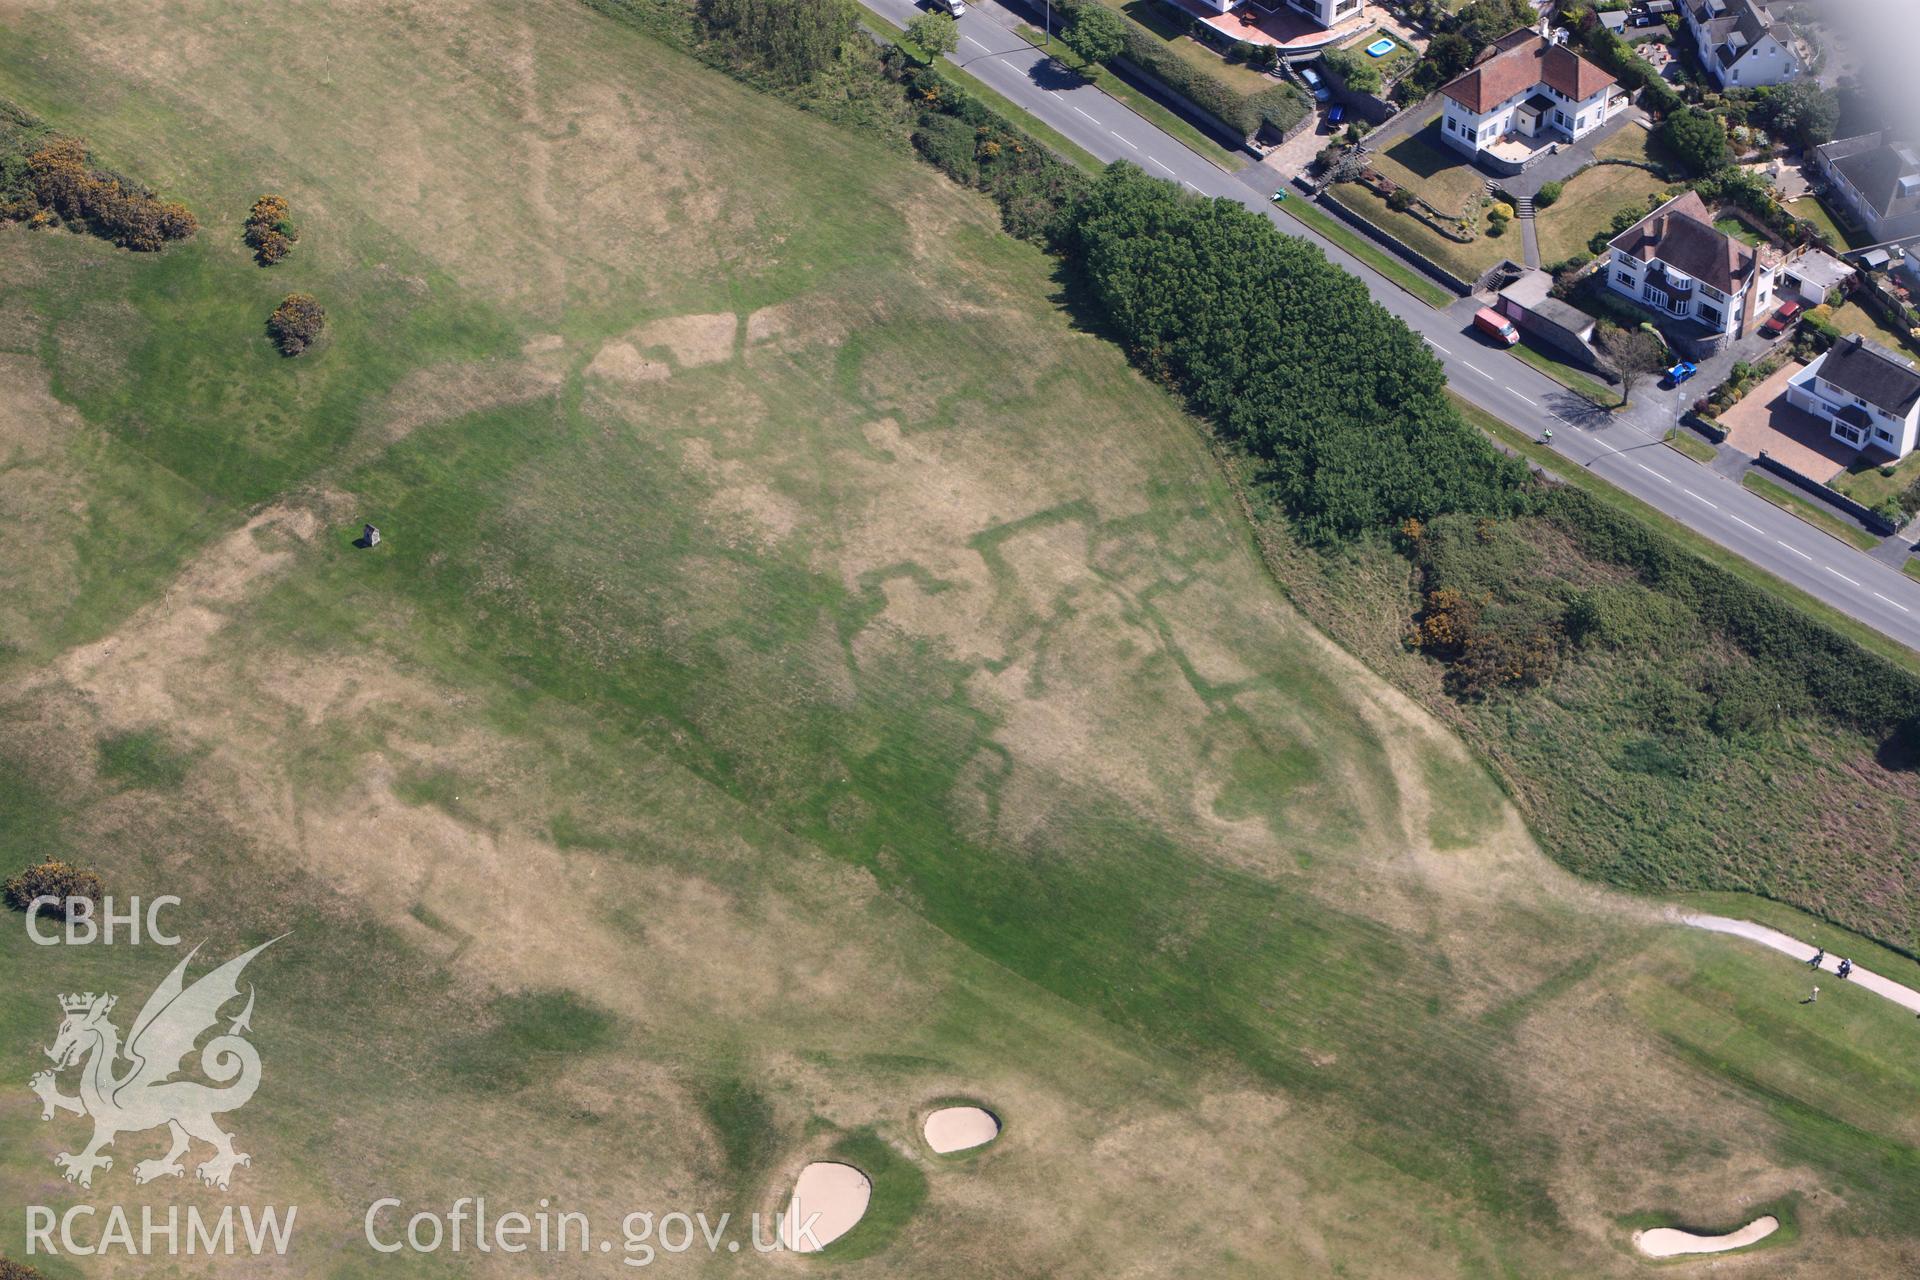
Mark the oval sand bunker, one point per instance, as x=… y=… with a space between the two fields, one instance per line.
x=1669 y=1242
x=961 y=1129
x=836 y=1193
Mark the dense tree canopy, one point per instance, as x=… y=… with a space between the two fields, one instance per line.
x=1696 y=140
x=1096 y=33
x=936 y=34
x=1287 y=354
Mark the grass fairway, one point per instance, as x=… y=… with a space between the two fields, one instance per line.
x=805 y=677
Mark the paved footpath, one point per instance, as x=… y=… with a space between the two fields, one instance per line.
x=1894 y=991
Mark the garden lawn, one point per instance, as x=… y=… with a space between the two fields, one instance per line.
x=1815 y=210
x=1436 y=172
x=1468 y=261
x=1588 y=203
x=1851 y=317
x=1863 y=482
x=1388 y=64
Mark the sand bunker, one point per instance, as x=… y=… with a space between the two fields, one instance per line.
x=961 y=1129
x=1668 y=1242
x=837 y=1193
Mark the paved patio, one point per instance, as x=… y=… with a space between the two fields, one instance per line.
x=1282 y=27
x=1763 y=421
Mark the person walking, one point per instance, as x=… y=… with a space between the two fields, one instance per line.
x=1845 y=970
x=1814 y=997
x=1818 y=956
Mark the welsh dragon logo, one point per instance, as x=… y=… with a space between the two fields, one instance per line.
x=131 y=1090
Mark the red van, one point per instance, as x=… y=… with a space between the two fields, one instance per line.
x=1496 y=326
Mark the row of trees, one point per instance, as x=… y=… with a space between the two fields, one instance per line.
x=1287 y=354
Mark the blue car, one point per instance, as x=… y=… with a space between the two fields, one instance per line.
x=1336 y=114
x=1681 y=372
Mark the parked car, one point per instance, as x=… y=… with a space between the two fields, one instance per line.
x=954 y=7
x=1780 y=320
x=1280 y=195
x=1336 y=114
x=1681 y=372
x=1314 y=83
x=1496 y=326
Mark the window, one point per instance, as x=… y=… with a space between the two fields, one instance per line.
x=1711 y=315
x=1881 y=433
x=1624 y=277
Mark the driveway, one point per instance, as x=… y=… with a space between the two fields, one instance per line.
x=1763 y=421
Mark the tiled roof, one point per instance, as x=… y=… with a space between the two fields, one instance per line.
x=1875 y=374
x=1875 y=165
x=1681 y=234
x=1516 y=63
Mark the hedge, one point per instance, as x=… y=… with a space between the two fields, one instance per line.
x=1282 y=106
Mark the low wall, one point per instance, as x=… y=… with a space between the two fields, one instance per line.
x=1427 y=265
x=1873 y=520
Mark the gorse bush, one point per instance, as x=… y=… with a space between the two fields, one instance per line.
x=52 y=879
x=1287 y=354
x=791 y=40
x=270 y=230
x=296 y=323
x=64 y=183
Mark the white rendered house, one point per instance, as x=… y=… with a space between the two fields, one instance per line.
x=1677 y=264
x=1524 y=86
x=1868 y=396
x=1740 y=44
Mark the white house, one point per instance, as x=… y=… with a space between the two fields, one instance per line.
x=1868 y=396
x=1527 y=87
x=1327 y=13
x=1740 y=44
x=1676 y=263
x=1877 y=177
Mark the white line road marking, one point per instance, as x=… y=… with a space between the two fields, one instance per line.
x=1797 y=551
x=1524 y=398
x=1691 y=494
x=1895 y=603
x=1836 y=573
x=1189 y=186
x=976 y=44
x=1123 y=140
x=1081 y=112
x=1163 y=168
x=1477 y=369
x=1655 y=474
x=1756 y=528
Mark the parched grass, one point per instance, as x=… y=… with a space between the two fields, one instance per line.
x=1197 y=140
x=1468 y=261
x=1693 y=446
x=1588 y=204
x=1810 y=511
x=871 y=718
x=1374 y=255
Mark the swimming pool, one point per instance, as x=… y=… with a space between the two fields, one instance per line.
x=1380 y=48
